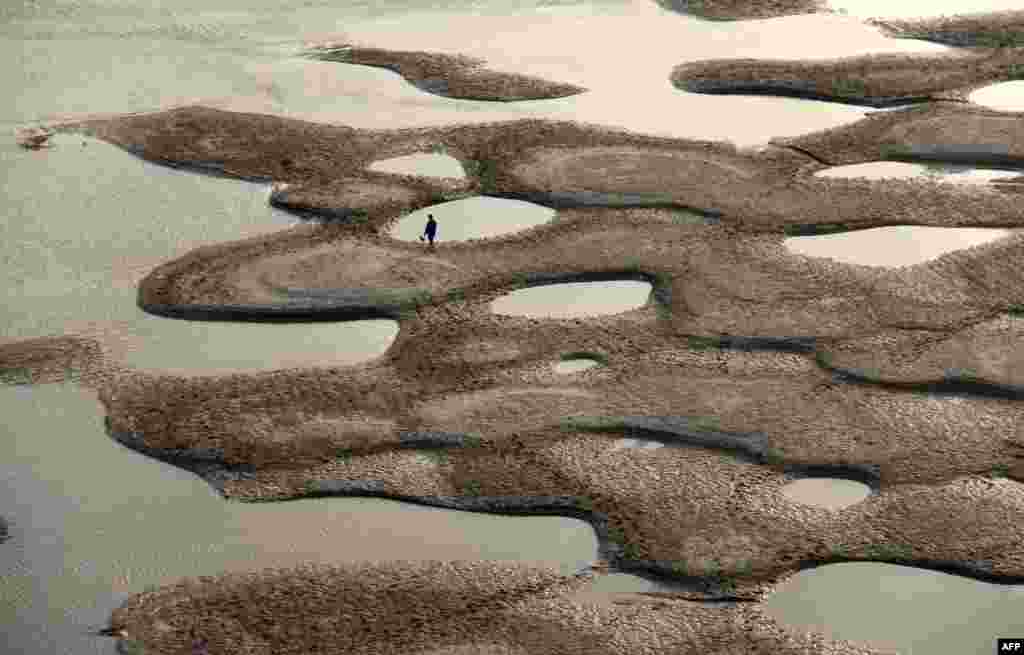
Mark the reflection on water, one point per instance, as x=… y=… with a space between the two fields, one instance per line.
x=1005 y=96
x=421 y=164
x=93 y=522
x=828 y=493
x=909 y=610
x=473 y=218
x=880 y=170
x=574 y=299
x=900 y=245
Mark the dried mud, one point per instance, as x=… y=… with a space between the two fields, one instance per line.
x=884 y=80
x=451 y=76
x=440 y=608
x=726 y=10
x=753 y=365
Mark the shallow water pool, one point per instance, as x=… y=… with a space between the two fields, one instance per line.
x=574 y=299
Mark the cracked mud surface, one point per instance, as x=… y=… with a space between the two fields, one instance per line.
x=753 y=365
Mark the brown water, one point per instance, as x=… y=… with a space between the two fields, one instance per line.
x=473 y=218
x=574 y=300
x=899 y=608
x=900 y=245
x=827 y=493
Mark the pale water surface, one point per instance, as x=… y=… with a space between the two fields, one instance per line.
x=93 y=522
x=911 y=611
x=881 y=170
x=827 y=493
x=900 y=245
x=1004 y=96
x=426 y=164
x=473 y=218
x=83 y=224
x=575 y=299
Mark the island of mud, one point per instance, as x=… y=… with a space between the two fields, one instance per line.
x=753 y=366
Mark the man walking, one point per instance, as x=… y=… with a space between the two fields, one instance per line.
x=431 y=230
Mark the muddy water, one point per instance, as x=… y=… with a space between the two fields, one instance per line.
x=881 y=170
x=574 y=300
x=92 y=522
x=473 y=218
x=827 y=493
x=1005 y=96
x=901 y=245
x=911 y=611
x=421 y=164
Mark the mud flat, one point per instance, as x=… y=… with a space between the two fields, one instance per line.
x=1002 y=29
x=882 y=80
x=742 y=9
x=451 y=76
x=728 y=363
x=439 y=608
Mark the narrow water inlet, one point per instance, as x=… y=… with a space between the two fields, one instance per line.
x=93 y=522
x=473 y=218
x=899 y=608
x=900 y=245
x=827 y=493
x=1004 y=96
x=574 y=299
x=425 y=164
x=940 y=172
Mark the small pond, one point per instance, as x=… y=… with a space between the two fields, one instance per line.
x=473 y=218
x=882 y=170
x=909 y=610
x=1005 y=96
x=899 y=245
x=421 y=164
x=574 y=299
x=93 y=522
x=574 y=365
x=827 y=493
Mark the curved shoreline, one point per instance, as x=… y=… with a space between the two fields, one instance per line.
x=449 y=76
x=676 y=369
x=877 y=81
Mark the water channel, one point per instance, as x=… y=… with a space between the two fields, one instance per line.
x=92 y=522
